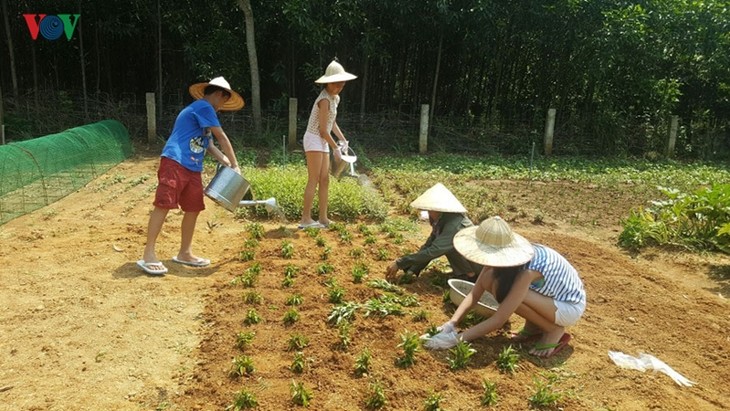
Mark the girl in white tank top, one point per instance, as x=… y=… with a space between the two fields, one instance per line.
x=318 y=141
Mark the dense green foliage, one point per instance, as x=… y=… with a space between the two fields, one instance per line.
x=614 y=70
x=697 y=220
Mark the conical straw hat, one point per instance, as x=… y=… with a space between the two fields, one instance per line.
x=234 y=103
x=334 y=74
x=493 y=243
x=438 y=198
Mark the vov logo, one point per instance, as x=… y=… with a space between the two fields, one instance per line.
x=51 y=27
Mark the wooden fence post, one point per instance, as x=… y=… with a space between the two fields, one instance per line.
x=672 y=135
x=292 y=123
x=423 y=134
x=549 y=129
x=151 y=118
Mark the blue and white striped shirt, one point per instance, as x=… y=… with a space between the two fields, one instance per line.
x=561 y=280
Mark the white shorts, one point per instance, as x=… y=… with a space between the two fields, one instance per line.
x=567 y=314
x=313 y=142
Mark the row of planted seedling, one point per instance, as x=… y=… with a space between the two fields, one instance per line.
x=342 y=315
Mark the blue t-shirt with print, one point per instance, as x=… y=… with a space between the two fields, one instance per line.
x=190 y=135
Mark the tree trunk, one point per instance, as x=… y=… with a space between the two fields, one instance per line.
x=35 y=76
x=436 y=78
x=159 y=61
x=245 y=6
x=83 y=69
x=364 y=85
x=1 y=105
x=11 y=53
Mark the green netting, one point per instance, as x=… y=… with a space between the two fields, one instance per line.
x=35 y=173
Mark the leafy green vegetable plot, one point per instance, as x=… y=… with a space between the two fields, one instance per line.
x=698 y=220
x=348 y=199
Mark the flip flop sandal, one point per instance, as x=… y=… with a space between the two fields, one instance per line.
x=149 y=268
x=557 y=347
x=315 y=224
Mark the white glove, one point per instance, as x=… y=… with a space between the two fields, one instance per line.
x=344 y=147
x=442 y=341
x=447 y=327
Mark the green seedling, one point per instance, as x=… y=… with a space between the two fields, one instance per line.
x=460 y=355
x=381 y=308
x=312 y=232
x=343 y=312
x=287 y=282
x=291 y=270
x=326 y=253
x=244 y=339
x=545 y=395
x=446 y=297
x=420 y=316
x=432 y=330
x=320 y=241
x=243 y=400
x=489 y=394
x=336 y=294
x=382 y=254
x=507 y=360
x=346 y=237
x=364 y=229
x=338 y=227
x=252 y=297
x=250 y=244
x=247 y=280
x=359 y=271
x=291 y=316
x=362 y=363
x=255 y=269
x=386 y=286
x=255 y=231
x=298 y=363
x=242 y=365
x=376 y=397
x=471 y=319
x=252 y=317
x=410 y=345
x=248 y=255
x=343 y=332
x=300 y=395
x=356 y=252
x=295 y=299
x=297 y=342
x=287 y=249
x=398 y=239
x=325 y=268
x=331 y=282
x=433 y=402
x=370 y=239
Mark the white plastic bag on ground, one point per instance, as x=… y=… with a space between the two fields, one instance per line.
x=648 y=362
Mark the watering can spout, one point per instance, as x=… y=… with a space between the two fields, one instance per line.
x=269 y=204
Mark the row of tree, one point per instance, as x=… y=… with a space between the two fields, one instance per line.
x=615 y=70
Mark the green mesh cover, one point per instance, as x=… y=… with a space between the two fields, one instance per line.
x=35 y=173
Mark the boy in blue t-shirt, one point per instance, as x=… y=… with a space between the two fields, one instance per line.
x=181 y=164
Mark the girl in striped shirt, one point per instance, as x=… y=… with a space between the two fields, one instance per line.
x=530 y=280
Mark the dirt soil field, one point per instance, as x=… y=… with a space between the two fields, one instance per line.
x=82 y=328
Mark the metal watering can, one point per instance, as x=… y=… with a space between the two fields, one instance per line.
x=348 y=159
x=228 y=188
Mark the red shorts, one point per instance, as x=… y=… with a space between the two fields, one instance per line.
x=178 y=186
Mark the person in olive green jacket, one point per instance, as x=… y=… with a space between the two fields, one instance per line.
x=447 y=217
